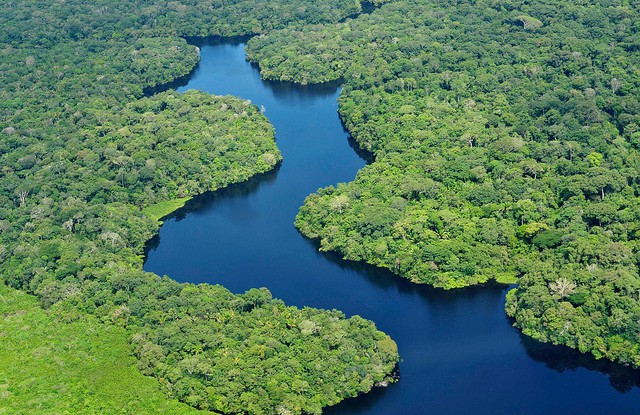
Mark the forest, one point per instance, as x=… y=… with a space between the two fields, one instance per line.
x=91 y=160
x=506 y=137
x=506 y=147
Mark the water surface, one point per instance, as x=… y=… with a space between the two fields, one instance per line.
x=460 y=354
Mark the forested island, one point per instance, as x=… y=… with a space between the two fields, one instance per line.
x=505 y=135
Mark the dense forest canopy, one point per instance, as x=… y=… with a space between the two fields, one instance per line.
x=89 y=164
x=506 y=142
x=506 y=137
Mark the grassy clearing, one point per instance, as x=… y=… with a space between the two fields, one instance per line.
x=162 y=209
x=48 y=366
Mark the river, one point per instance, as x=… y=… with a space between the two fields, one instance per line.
x=460 y=354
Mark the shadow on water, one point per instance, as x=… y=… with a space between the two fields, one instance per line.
x=359 y=404
x=200 y=41
x=561 y=359
x=291 y=92
x=387 y=280
x=365 y=155
x=206 y=201
x=282 y=90
x=175 y=84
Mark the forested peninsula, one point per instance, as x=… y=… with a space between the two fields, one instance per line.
x=506 y=138
x=89 y=165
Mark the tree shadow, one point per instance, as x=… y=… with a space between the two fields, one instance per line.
x=387 y=280
x=363 y=403
x=562 y=358
x=206 y=201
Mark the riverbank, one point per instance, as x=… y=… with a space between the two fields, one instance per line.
x=456 y=346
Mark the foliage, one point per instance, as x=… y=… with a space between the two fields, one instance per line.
x=232 y=354
x=55 y=365
x=89 y=165
x=506 y=145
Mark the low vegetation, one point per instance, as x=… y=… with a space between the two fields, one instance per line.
x=54 y=365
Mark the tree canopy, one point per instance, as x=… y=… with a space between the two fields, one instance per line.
x=505 y=137
x=90 y=160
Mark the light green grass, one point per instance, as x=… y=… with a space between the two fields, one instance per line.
x=506 y=278
x=50 y=367
x=162 y=209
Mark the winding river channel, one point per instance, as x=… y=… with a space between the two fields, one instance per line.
x=460 y=354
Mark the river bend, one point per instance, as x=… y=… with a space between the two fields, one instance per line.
x=460 y=354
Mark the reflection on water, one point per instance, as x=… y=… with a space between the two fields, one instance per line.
x=560 y=358
x=205 y=201
x=287 y=91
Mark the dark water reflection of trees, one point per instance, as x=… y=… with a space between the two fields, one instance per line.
x=561 y=359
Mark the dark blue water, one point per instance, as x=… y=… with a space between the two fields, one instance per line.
x=460 y=354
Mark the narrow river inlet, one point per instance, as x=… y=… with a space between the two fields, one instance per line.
x=459 y=353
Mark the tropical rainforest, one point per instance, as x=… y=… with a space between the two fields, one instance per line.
x=90 y=161
x=506 y=137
